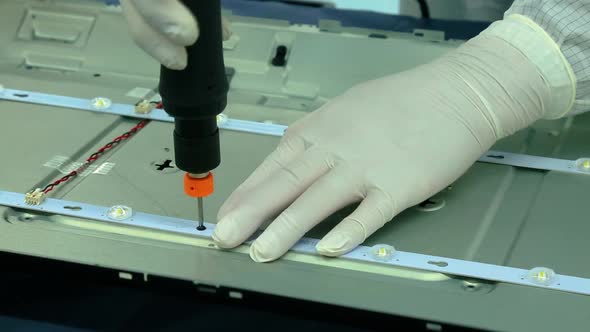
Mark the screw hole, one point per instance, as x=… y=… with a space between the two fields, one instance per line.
x=431 y=205
x=496 y=156
x=439 y=264
x=21 y=95
x=73 y=208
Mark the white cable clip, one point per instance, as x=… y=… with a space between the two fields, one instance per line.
x=34 y=197
x=144 y=107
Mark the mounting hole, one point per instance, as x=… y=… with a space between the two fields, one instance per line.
x=377 y=35
x=73 y=208
x=438 y=263
x=431 y=205
x=96 y=75
x=25 y=217
x=21 y=95
x=470 y=286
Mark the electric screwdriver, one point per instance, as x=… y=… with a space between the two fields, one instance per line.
x=194 y=97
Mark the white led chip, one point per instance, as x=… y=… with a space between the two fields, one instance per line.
x=382 y=252
x=120 y=212
x=222 y=119
x=583 y=164
x=100 y=103
x=542 y=276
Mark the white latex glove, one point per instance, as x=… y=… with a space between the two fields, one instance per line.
x=163 y=28
x=392 y=143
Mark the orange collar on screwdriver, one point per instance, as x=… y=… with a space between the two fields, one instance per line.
x=196 y=186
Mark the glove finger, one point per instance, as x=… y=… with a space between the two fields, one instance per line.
x=373 y=212
x=285 y=153
x=269 y=198
x=329 y=194
x=225 y=29
x=151 y=41
x=171 y=18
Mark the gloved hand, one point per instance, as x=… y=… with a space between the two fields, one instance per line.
x=163 y=28
x=390 y=143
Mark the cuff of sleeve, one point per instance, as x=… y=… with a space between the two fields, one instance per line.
x=534 y=42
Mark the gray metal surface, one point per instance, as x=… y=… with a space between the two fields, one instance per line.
x=493 y=214
x=384 y=255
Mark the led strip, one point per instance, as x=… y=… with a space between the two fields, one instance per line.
x=103 y=105
x=379 y=254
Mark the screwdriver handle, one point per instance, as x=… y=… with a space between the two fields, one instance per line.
x=200 y=90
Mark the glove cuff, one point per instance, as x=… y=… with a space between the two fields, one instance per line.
x=536 y=45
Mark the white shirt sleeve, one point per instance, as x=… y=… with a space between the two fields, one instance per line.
x=568 y=24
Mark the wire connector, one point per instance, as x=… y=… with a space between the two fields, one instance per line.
x=35 y=197
x=144 y=107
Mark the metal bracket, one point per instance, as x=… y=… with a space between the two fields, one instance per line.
x=379 y=254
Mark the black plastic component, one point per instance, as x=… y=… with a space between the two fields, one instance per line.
x=196 y=95
x=280 y=59
x=424 y=9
